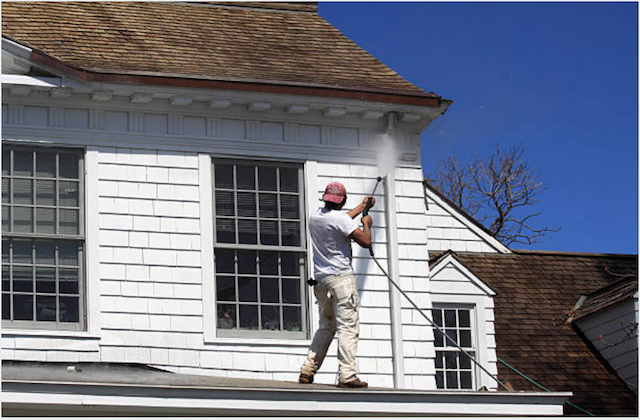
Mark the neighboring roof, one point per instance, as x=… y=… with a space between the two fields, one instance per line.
x=110 y=389
x=536 y=292
x=609 y=295
x=264 y=43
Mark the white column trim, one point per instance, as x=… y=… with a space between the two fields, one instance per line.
x=92 y=240
x=206 y=241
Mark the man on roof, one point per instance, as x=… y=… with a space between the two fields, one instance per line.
x=336 y=291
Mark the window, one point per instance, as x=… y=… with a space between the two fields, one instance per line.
x=42 y=238
x=259 y=237
x=454 y=370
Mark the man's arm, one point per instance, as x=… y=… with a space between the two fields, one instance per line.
x=363 y=237
x=360 y=207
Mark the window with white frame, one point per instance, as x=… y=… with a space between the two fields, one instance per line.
x=259 y=249
x=42 y=238
x=454 y=370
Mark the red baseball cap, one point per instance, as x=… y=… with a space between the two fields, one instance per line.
x=334 y=193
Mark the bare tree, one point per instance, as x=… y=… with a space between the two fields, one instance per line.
x=498 y=192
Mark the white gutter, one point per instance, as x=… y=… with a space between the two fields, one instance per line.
x=33 y=398
x=393 y=267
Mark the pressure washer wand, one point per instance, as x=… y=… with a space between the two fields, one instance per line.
x=367 y=206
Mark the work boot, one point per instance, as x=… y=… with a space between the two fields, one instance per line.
x=305 y=379
x=355 y=383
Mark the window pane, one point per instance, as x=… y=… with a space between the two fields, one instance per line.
x=247 y=262
x=247 y=204
x=249 y=317
x=45 y=220
x=6 y=218
x=465 y=338
x=45 y=253
x=69 y=193
x=289 y=179
x=269 y=290
x=45 y=280
x=465 y=362
x=23 y=191
x=23 y=307
x=267 y=180
x=6 y=190
x=290 y=206
x=247 y=231
x=439 y=360
x=451 y=359
x=69 y=223
x=225 y=288
x=268 y=205
x=225 y=261
x=46 y=165
x=437 y=317
x=290 y=234
x=6 y=306
x=226 y=316
x=68 y=281
x=69 y=309
x=269 y=233
x=68 y=253
x=226 y=231
x=439 y=338
x=465 y=380
x=291 y=290
x=270 y=317
x=224 y=176
x=246 y=176
x=452 y=380
x=23 y=219
x=268 y=263
x=248 y=289
x=22 y=163
x=463 y=316
x=440 y=379
x=46 y=192
x=452 y=337
x=6 y=284
x=450 y=318
x=6 y=162
x=290 y=264
x=225 y=203
x=22 y=252
x=292 y=316
x=22 y=279
x=5 y=251
x=45 y=308
x=68 y=166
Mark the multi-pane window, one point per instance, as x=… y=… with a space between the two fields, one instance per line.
x=454 y=370
x=259 y=249
x=42 y=238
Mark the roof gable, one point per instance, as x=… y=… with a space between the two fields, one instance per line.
x=448 y=268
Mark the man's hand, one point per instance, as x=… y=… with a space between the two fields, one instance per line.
x=363 y=237
x=360 y=207
x=367 y=221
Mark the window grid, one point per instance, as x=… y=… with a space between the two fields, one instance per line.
x=42 y=253
x=454 y=370
x=258 y=210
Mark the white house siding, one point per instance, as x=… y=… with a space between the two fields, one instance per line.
x=618 y=344
x=146 y=216
x=452 y=284
x=449 y=230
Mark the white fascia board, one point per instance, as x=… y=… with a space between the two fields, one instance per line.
x=450 y=259
x=465 y=221
x=19 y=79
x=16 y=49
x=116 y=399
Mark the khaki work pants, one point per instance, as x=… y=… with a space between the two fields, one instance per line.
x=338 y=304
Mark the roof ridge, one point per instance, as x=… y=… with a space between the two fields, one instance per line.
x=572 y=253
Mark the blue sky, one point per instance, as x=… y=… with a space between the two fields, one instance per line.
x=559 y=78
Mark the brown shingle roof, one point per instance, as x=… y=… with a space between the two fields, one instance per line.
x=214 y=41
x=535 y=294
x=609 y=295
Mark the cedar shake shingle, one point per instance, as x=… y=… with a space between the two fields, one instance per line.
x=536 y=292
x=205 y=40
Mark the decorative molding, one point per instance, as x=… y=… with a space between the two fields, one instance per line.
x=181 y=100
x=292 y=133
x=409 y=117
x=371 y=115
x=297 y=109
x=259 y=106
x=214 y=127
x=101 y=95
x=141 y=98
x=96 y=119
x=19 y=90
x=56 y=117
x=334 y=112
x=366 y=138
x=136 y=122
x=328 y=135
x=60 y=93
x=15 y=114
x=218 y=103
x=252 y=129
x=176 y=124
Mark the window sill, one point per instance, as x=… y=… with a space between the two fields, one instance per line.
x=258 y=342
x=50 y=333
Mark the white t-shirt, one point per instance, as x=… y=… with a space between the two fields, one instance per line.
x=330 y=230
